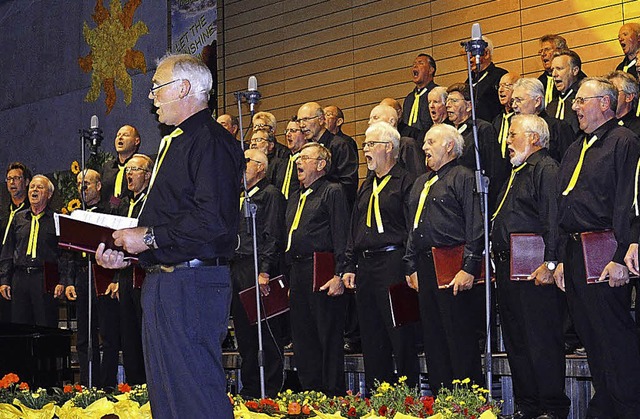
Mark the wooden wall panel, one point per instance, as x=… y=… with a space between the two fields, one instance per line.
x=353 y=53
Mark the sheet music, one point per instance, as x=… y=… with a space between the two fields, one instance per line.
x=115 y=222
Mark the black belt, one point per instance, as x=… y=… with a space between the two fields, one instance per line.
x=299 y=258
x=29 y=269
x=373 y=252
x=194 y=263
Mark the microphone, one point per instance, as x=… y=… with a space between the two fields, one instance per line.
x=477 y=45
x=95 y=135
x=253 y=95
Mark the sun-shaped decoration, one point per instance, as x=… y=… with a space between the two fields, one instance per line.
x=112 y=52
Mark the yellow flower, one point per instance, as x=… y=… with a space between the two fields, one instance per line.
x=466 y=381
x=384 y=387
x=73 y=205
x=448 y=398
x=35 y=395
x=482 y=399
x=75 y=167
x=456 y=381
x=461 y=403
x=64 y=210
x=402 y=379
x=475 y=386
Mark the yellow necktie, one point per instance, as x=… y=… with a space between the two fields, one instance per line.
x=632 y=63
x=374 y=201
x=462 y=128
x=504 y=133
x=548 y=93
x=576 y=171
x=506 y=192
x=33 y=235
x=413 y=115
x=288 y=174
x=164 y=147
x=560 y=110
x=11 y=215
x=251 y=193
x=117 y=189
x=133 y=203
x=635 y=190
x=481 y=78
x=296 y=218
x=423 y=199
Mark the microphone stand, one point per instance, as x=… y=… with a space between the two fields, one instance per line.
x=482 y=186
x=250 y=210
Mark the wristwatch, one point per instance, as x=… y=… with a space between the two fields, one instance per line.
x=149 y=238
x=551 y=265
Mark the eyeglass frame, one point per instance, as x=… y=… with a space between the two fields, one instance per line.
x=152 y=90
x=16 y=179
x=135 y=169
x=307 y=119
x=581 y=100
x=369 y=144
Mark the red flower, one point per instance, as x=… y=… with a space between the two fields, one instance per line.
x=124 y=388
x=67 y=389
x=382 y=411
x=294 y=408
x=23 y=386
x=252 y=405
x=408 y=401
x=306 y=410
x=78 y=387
x=9 y=379
x=352 y=412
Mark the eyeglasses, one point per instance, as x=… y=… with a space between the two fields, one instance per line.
x=308 y=118
x=292 y=131
x=580 y=100
x=517 y=100
x=134 y=169
x=545 y=50
x=152 y=91
x=372 y=143
x=258 y=140
x=262 y=126
x=508 y=86
x=304 y=158
x=10 y=179
x=248 y=159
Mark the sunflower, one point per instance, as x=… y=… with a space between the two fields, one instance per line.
x=64 y=211
x=75 y=167
x=74 y=204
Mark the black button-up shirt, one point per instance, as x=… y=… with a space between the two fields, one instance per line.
x=394 y=211
x=603 y=194
x=450 y=217
x=270 y=227
x=530 y=205
x=323 y=225
x=193 y=202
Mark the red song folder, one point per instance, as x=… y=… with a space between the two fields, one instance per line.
x=51 y=277
x=138 y=276
x=404 y=304
x=448 y=261
x=102 y=277
x=277 y=302
x=324 y=267
x=598 y=248
x=527 y=254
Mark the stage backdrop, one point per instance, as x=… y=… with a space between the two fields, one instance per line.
x=353 y=53
x=64 y=61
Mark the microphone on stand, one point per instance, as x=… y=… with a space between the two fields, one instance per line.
x=95 y=135
x=477 y=45
x=253 y=95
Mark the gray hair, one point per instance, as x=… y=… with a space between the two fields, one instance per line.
x=628 y=81
x=189 y=67
x=533 y=87
x=47 y=181
x=440 y=91
x=450 y=134
x=605 y=88
x=384 y=131
x=536 y=125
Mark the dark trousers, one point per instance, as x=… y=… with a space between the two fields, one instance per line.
x=184 y=322
x=105 y=315
x=449 y=326
x=242 y=276
x=380 y=340
x=5 y=310
x=29 y=303
x=533 y=336
x=605 y=327
x=317 y=324
x=131 y=329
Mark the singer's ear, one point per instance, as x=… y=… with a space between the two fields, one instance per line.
x=185 y=88
x=98 y=186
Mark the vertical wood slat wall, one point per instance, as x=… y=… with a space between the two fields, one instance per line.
x=353 y=53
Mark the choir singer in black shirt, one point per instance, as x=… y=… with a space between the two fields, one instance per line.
x=446 y=213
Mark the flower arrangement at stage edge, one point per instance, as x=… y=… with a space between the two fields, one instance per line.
x=350 y=406
x=301 y=405
x=138 y=393
x=465 y=401
x=387 y=400
x=87 y=396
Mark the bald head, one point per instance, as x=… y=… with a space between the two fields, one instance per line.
x=394 y=104
x=383 y=113
x=256 y=168
x=311 y=120
x=505 y=89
